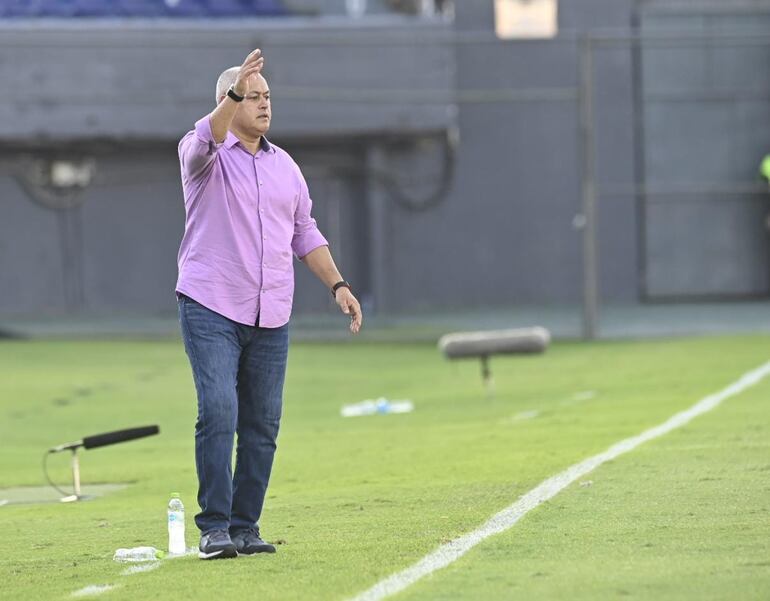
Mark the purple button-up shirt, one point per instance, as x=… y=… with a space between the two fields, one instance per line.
x=245 y=214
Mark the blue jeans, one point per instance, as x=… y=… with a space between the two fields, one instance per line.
x=239 y=372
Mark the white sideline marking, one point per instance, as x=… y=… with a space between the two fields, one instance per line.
x=586 y=395
x=92 y=590
x=142 y=567
x=526 y=415
x=547 y=489
x=519 y=417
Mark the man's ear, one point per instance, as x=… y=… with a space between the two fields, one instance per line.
x=221 y=98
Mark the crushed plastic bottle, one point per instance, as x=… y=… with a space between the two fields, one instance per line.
x=176 y=543
x=381 y=406
x=137 y=554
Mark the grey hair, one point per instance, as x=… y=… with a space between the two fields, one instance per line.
x=226 y=79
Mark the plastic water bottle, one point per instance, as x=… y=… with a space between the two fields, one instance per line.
x=381 y=406
x=137 y=554
x=176 y=542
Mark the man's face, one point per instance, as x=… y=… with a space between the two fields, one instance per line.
x=254 y=113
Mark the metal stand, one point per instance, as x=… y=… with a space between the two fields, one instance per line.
x=486 y=375
x=75 y=481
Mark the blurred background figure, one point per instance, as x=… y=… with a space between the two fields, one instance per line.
x=587 y=166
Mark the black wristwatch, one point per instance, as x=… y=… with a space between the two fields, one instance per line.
x=231 y=93
x=338 y=285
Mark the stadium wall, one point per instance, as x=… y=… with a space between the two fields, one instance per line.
x=502 y=235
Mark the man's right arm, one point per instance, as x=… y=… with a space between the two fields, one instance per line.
x=198 y=149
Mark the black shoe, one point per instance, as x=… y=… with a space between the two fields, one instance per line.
x=248 y=542
x=216 y=545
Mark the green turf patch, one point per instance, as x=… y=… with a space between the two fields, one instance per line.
x=686 y=516
x=354 y=500
x=47 y=494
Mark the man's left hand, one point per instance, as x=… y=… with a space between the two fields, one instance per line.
x=349 y=306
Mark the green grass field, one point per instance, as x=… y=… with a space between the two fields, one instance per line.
x=686 y=516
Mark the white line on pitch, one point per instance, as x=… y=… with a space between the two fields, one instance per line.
x=140 y=568
x=502 y=521
x=92 y=590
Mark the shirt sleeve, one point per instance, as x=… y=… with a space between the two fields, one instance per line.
x=307 y=236
x=197 y=150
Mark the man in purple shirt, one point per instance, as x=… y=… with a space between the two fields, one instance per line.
x=247 y=211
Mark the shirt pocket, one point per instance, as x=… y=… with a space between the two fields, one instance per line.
x=281 y=199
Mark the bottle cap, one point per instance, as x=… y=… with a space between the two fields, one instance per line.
x=175 y=495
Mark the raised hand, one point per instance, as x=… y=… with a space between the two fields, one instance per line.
x=251 y=66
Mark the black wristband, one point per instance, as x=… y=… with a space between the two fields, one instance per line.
x=231 y=93
x=338 y=285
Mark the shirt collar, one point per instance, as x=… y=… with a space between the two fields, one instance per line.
x=264 y=145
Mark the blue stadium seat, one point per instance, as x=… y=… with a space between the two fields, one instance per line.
x=140 y=8
x=220 y=8
x=93 y=8
x=14 y=8
x=37 y=8
x=266 y=8
x=60 y=8
x=185 y=8
x=272 y=8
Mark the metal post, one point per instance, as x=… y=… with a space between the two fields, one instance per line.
x=75 y=479
x=588 y=176
x=640 y=147
x=76 y=471
x=377 y=204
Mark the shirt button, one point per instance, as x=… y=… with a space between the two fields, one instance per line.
x=260 y=183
